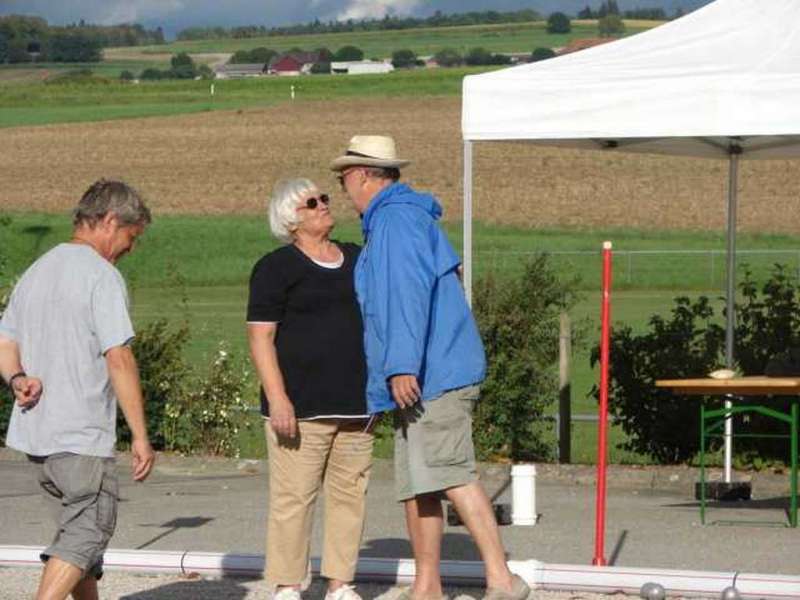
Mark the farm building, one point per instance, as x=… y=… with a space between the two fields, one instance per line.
x=361 y=67
x=241 y=71
x=293 y=63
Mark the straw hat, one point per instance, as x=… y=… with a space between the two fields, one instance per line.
x=369 y=151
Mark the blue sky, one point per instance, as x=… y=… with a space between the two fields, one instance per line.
x=174 y=15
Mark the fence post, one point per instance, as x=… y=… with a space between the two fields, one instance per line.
x=564 y=390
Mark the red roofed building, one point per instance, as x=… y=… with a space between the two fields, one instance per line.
x=294 y=63
x=583 y=44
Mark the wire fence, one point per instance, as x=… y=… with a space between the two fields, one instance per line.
x=642 y=269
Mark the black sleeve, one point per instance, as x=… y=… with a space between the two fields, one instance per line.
x=268 y=291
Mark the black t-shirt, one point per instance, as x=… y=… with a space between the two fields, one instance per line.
x=319 y=340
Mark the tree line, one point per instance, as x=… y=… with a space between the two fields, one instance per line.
x=387 y=23
x=393 y=22
x=31 y=39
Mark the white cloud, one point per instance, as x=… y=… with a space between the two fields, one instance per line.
x=376 y=9
x=134 y=11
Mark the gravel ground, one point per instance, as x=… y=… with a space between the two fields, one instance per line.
x=21 y=583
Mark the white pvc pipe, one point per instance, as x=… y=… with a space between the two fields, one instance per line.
x=523 y=494
x=538 y=575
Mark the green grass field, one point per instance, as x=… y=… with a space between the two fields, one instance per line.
x=35 y=72
x=207 y=260
x=38 y=104
x=512 y=37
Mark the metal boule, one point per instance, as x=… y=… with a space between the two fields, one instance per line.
x=652 y=591
x=730 y=593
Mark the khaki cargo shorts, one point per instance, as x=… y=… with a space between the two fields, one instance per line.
x=433 y=448
x=83 y=493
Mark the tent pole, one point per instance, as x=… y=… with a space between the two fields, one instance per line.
x=467 y=274
x=730 y=296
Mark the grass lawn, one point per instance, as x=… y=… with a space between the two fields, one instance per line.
x=38 y=104
x=196 y=268
x=509 y=37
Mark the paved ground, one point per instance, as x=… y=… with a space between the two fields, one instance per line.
x=219 y=506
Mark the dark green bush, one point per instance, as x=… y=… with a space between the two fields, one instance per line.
x=558 y=22
x=519 y=324
x=5 y=289
x=164 y=375
x=448 y=57
x=542 y=53
x=404 y=59
x=691 y=343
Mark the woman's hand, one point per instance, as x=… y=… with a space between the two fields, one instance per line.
x=282 y=419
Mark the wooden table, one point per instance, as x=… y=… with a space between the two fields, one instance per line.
x=712 y=421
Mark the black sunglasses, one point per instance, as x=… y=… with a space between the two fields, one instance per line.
x=312 y=202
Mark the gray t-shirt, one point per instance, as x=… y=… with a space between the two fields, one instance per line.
x=68 y=309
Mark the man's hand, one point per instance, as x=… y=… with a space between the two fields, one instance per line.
x=143 y=459
x=405 y=390
x=282 y=419
x=27 y=391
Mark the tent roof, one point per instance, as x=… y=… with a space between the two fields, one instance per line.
x=726 y=75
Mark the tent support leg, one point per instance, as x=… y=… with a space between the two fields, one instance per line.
x=730 y=296
x=467 y=251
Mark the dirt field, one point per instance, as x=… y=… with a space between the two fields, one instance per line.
x=225 y=162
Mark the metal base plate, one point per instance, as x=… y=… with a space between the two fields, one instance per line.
x=725 y=491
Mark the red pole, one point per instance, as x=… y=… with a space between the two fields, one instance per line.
x=602 y=452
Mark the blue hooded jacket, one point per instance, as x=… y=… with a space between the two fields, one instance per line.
x=416 y=317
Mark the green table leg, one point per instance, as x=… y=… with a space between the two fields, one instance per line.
x=793 y=459
x=702 y=463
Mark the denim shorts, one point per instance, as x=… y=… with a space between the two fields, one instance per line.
x=83 y=493
x=433 y=448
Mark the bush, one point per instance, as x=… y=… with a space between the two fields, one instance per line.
x=404 y=59
x=348 y=53
x=481 y=56
x=610 y=25
x=207 y=419
x=542 y=54
x=691 y=343
x=6 y=398
x=321 y=68
x=519 y=321
x=558 y=22
x=151 y=74
x=126 y=75
x=164 y=375
x=448 y=57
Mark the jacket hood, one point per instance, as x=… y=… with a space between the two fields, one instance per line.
x=400 y=193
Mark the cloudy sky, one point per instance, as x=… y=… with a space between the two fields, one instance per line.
x=174 y=15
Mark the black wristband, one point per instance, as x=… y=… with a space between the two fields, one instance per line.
x=15 y=376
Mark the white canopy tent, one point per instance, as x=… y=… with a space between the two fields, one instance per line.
x=721 y=82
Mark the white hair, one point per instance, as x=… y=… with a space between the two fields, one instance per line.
x=283 y=205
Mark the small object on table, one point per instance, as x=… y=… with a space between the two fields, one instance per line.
x=722 y=374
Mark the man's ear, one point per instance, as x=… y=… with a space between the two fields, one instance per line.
x=109 y=220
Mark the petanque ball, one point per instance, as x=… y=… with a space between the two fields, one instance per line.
x=730 y=593
x=652 y=591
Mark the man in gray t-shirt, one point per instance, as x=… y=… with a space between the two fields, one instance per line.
x=65 y=353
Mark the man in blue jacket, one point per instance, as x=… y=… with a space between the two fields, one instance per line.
x=425 y=361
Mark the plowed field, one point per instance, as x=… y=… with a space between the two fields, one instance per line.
x=226 y=162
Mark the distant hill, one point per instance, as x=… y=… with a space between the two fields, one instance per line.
x=549 y=6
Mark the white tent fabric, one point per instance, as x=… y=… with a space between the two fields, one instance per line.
x=729 y=69
x=721 y=82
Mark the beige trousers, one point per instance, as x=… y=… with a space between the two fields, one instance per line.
x=334 y=455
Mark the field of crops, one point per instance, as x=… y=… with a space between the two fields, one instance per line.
x=225 y=162
x=513 y=37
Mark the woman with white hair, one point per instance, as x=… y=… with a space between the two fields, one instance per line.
x=306 y=342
